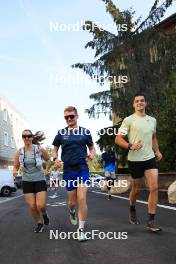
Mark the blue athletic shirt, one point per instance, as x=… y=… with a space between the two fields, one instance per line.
x=74 y=144
x=109 y=161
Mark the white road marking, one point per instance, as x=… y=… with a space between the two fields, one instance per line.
x=59 y=204
x=53 y=196
x=138 y=201
x=10 y=199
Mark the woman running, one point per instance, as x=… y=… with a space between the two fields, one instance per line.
x=29 y=159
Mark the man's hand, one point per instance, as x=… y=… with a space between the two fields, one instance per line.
x=58 y=163
x=158 y=155
x=136 y=146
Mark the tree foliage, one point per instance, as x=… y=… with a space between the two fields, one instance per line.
x=144 y=53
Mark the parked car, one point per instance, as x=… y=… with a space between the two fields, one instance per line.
x=7 y=184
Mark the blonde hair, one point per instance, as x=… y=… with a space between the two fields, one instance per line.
x=70 y=109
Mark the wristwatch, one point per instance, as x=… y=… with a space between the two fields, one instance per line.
x=129 y=146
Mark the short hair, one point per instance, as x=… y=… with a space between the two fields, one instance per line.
x=139 y=94
x=70 y=109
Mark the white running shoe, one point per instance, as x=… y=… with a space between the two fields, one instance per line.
x=81 y=235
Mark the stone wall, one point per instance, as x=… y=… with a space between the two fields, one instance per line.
x=165 y=179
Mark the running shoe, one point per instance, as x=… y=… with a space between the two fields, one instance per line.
x=81 y=235
x=73 y=218
x=46 y=219
x=109 y=197
x=133 y=218
x=38 y=228
x=151 y=226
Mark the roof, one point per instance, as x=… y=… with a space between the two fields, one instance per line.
x=169 y=23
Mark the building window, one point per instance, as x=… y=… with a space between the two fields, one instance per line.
x=11 y=119
x=5 y=114
x=12 y=142
x=6 y=139
x=17 y=123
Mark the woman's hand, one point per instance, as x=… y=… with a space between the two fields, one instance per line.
x=15 y=173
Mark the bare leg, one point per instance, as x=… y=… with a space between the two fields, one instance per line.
x=152 y=181
x=82 y=203
x=31 y=201
x=136 y=186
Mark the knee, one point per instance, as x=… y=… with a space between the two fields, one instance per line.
x=136 y=190
x=153 y=188
x=33 y=207
x=81 y=199
x=71 y=204
x=41 y=207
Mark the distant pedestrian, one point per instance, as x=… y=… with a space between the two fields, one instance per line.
x=109 y=161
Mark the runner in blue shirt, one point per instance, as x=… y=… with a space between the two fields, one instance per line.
x=74 y=141
x=108 y=159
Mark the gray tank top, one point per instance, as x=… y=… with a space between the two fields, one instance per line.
x=31 y=173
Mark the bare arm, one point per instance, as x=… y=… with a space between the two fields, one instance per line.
x=155 y=143
x=119 y=140
x=92 y=152
x=16 y=164
x=54 y=152
x=46 y=158
x=156 y=147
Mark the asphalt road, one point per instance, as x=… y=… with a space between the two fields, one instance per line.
x=19 y=245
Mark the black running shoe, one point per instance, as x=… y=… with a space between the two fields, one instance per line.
x=151 y=226
x=109 y=197
x=38 y=228
x=133 y=218
x=73 y=218
x=46 y=219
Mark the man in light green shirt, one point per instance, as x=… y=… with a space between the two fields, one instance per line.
x=143 y=152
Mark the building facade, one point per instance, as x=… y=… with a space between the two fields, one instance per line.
x=12 y=123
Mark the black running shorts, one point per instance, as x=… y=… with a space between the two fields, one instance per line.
x=137 y=168
x=34 y=187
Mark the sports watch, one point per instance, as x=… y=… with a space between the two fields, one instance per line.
x=129 y=146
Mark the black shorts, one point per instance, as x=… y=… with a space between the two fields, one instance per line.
x=34 y=187
x=137 y=168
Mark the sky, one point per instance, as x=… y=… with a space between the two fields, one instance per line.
x=35 y=61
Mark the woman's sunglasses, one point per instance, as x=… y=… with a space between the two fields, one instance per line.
x=27 y=136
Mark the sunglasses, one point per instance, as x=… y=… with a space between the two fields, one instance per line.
x=27 y=136
x=69 y=116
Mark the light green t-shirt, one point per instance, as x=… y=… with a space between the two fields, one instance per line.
x=140 y=128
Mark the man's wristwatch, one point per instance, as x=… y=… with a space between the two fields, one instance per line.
x=129 y=146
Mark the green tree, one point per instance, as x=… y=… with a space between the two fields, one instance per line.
x=144 y=53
